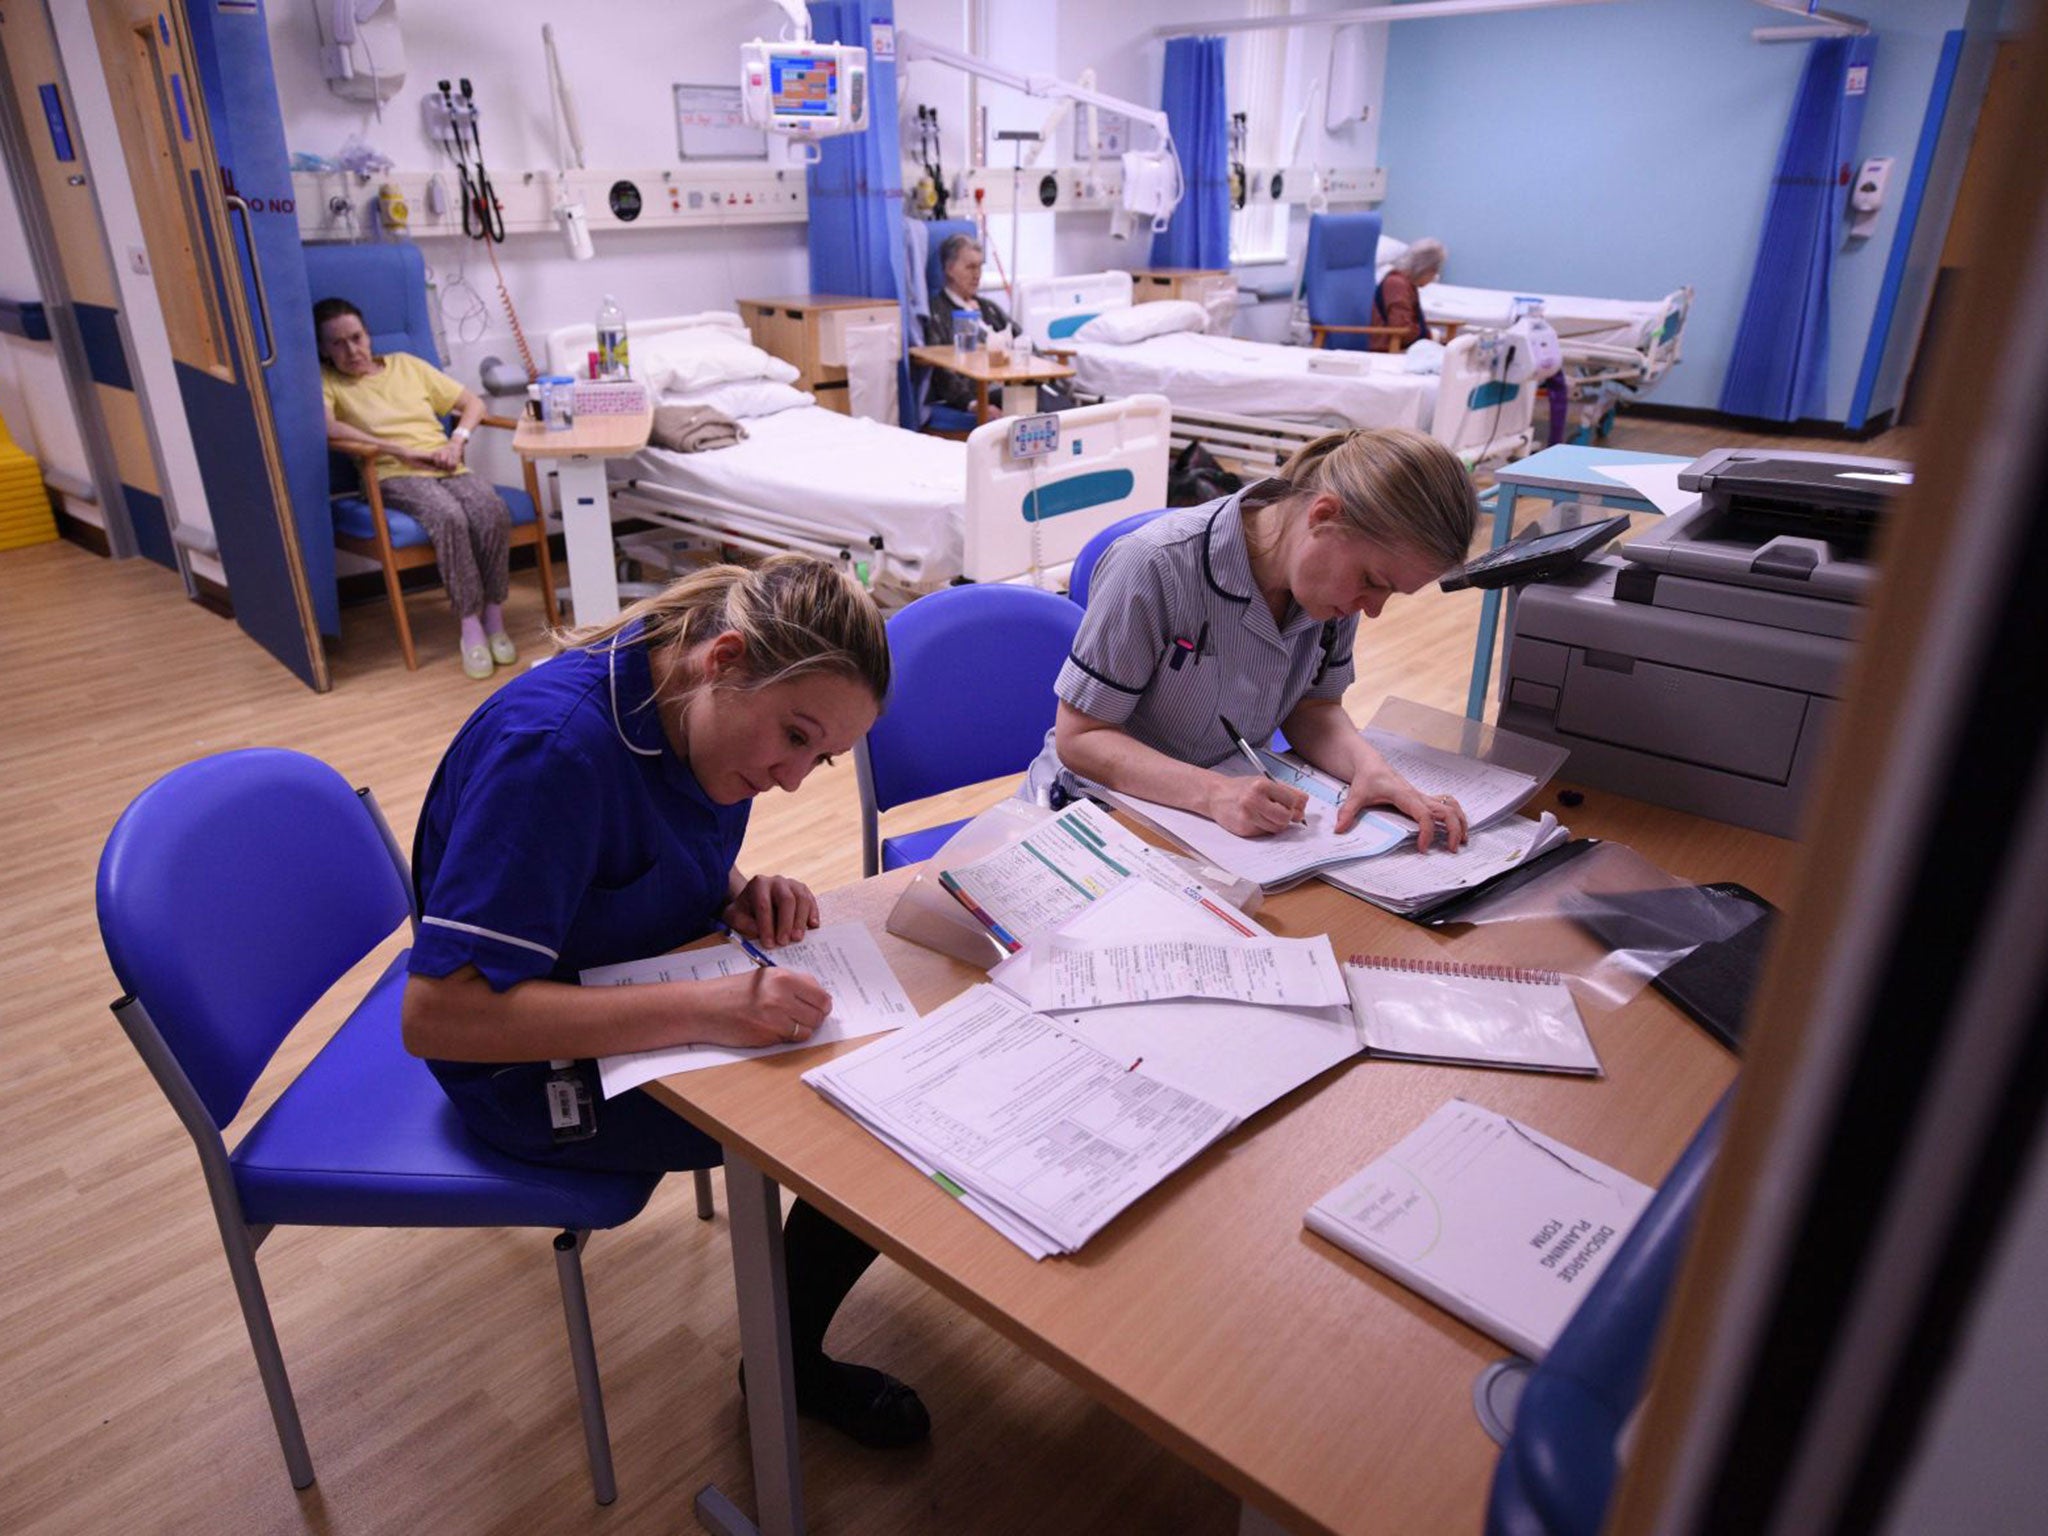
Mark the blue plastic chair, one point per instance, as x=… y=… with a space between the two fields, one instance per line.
x=233 y=893
x=1339 y=278
x=1083 y=570
x=971 y=701
x=388 y=283
x=1558 y=1468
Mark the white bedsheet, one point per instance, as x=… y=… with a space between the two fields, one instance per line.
x=1256 y=378
x=846 y=471
x=1612 y=322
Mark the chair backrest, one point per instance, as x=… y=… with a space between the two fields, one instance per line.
x=1338 y=272
x=972 y=696
x=233 y=892
x=388 y=283
x=1083 y=571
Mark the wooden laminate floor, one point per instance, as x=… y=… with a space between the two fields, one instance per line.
x=430 y=1367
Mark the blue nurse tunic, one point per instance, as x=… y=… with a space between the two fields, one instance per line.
x=562 y=831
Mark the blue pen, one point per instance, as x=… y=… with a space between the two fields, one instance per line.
x=753 y=952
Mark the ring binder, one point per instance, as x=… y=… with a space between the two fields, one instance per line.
x=1474 y=970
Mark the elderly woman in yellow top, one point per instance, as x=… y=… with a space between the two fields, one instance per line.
x=394 y=404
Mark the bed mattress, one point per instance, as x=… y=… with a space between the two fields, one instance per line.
x=854 y=475
x=1610 y=322
x=1256 y=378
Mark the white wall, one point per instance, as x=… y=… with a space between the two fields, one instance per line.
x=622 y=59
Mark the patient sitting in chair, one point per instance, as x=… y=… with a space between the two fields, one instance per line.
x=394 y=405
x=1397 y=302
x=960 y=260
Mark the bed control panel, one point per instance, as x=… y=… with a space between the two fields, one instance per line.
x=1034 y=437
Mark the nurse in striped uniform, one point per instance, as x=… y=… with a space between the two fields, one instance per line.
x=1247 y=608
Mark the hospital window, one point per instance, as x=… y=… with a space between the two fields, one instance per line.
x=1256 y=66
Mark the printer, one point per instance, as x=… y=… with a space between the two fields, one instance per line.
x=1701 y=665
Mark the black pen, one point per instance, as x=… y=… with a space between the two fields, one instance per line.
x=1244 y=746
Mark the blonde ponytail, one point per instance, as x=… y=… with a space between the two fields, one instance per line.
x=797 y=615
x=1396 y=487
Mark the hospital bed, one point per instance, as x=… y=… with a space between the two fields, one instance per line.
x=1256 y=401
x=902 y=512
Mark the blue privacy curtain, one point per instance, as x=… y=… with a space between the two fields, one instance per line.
x=856 y=189
x=1192 y=94
x=1779 y=369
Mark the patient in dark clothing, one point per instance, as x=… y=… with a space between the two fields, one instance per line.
x=960 y=261
x=1398 y=300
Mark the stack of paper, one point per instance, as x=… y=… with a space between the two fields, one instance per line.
x=1490 y=1220
x=1041 y=1134
x=1199 y=1031
x=1406 y=880
x=1486 y=791
x=842 y=957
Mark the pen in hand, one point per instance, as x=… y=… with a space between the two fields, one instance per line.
x=1294 y=801
x=753 y=950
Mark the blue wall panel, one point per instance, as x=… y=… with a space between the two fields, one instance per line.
x=1626 y=150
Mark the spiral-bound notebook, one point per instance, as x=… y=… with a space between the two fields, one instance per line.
x=1468 y=1015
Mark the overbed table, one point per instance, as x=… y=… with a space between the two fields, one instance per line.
x=1018 y=378
x=1326 y=1397
x=579 y=456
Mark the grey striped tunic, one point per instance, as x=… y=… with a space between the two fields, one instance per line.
x=1177 y=635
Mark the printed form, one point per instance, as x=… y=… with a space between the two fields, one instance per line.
x=842 y=957
x=1483 y=790
x=1083 y=972
x=1010 y=1109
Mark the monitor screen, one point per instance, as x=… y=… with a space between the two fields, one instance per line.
x=802 y=85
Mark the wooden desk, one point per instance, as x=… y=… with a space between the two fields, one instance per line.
x=579 y=456
x=976 y=366
x=1327 y=1397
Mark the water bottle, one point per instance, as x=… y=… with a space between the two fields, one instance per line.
x=611 y=340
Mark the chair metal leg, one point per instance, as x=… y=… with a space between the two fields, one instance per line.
x=597 y=1438
x=705 y=1209
x=277 y=1387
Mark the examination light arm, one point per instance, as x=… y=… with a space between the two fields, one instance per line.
x=910 y=47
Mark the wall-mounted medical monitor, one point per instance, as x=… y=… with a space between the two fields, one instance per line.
x=815 y=90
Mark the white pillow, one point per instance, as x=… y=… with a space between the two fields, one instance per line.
x=741 y=398
x=1121 y=327
x=702 y=356
x=1387 y=253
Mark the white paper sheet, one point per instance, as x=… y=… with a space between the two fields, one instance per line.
x=1085 y=972
x=1238 y=1055
x=1484 y=791
x=1284 y=856
x=1014 y=1111
x=842 y=957
x=1405 y=878
x=1656 y=483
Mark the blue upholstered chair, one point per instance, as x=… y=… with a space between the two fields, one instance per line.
x=1558 y=1468
x=388 y=283
x=971 y=701
x=1339 y=278
x=233 y=893
x=1083 y=570
x=944 y=420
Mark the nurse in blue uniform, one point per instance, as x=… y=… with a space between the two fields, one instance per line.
x=591 y=811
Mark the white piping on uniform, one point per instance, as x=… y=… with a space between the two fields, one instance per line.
x=492 y=933
x=612 y=671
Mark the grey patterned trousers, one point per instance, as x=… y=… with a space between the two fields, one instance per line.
x=471 y=528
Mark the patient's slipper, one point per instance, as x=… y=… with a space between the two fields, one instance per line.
x=476 y=661
x=503 y=651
